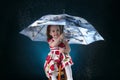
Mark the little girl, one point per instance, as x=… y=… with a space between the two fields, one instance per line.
x=59 y=53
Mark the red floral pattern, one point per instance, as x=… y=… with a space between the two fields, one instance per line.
x=56 y=58
x=48 y=57
x=57 y=52
x=52 y=67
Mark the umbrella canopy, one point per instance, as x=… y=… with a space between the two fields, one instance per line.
x=76 y=29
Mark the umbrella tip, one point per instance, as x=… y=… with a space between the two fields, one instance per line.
x=63 y=11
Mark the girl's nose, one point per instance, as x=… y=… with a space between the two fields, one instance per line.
x=56 y=32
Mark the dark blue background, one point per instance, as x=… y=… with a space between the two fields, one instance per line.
x=21 y=58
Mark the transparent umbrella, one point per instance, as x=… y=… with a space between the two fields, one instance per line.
x=76 y=29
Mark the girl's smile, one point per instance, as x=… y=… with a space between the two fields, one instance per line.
x=55 y=31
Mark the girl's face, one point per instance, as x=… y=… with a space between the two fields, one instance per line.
x=55 y=31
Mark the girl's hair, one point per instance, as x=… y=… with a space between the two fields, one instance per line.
x=48 y=31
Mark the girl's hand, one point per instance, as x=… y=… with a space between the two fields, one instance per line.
x=61 y=36
x=62 y=50
x=65 y=41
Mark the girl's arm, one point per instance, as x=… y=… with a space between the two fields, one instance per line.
x=67 y=47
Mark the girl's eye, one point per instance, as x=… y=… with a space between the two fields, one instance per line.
x=53 y=31
x=57 y=29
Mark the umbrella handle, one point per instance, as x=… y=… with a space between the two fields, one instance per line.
x=61 y=28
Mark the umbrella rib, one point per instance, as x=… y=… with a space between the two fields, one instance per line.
x=38 y=32
x=77 y=39
x=83 y=36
